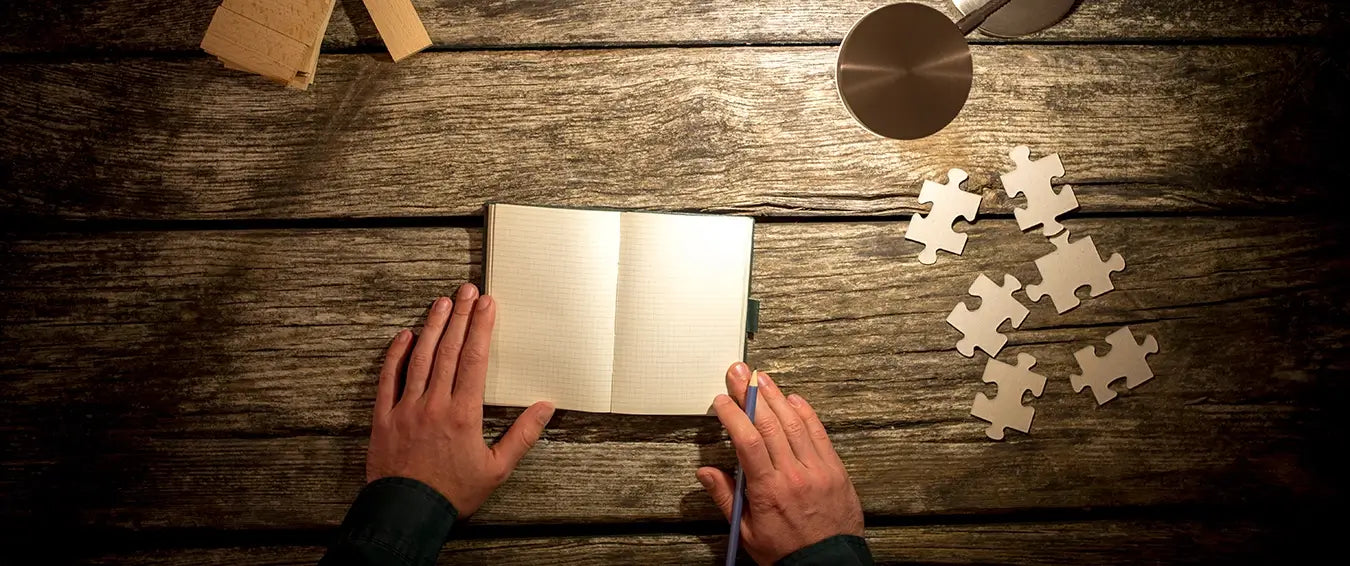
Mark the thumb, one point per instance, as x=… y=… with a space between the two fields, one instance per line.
x=522 y=435
x=720 y=486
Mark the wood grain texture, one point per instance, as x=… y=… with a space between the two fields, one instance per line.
x=223 y=379
x=1161 y=128
x=1110 y=541
x=194 y=396
x=144 y=25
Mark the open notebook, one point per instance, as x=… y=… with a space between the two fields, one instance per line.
x=608 y=311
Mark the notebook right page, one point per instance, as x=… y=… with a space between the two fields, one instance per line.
x=680 y=316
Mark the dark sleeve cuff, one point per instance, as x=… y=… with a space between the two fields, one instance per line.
x=838 y=550
x=394 y=521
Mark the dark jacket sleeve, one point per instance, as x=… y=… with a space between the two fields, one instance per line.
x=838 y=550
x=394 y=522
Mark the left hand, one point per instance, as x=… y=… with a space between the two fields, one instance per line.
x=433 y=431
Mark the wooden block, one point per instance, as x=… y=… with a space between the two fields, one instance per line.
x=277 y=39
x=231 y=65
x=399 y=26
x=305 y=77
x=259 y=49
x=297 y=19
x=301 y=81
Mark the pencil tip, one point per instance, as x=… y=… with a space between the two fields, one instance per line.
x=754 y=379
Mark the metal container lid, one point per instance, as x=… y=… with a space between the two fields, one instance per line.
x=904 y=71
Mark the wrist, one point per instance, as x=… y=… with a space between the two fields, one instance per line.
x=835 y=550
x=403 y=515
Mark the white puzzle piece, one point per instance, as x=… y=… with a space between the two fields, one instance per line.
x=980 y=326
x=934 y=231
x=1006 y=409
x=1127 y=359
x=1032 y=180
x=1070 y=266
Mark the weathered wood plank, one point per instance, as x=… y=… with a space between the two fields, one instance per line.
x=1109 y=541
x=223 y=379
x=1160 y=128
x=37 y=26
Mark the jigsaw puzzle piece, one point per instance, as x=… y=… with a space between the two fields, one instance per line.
x=980 y=326
x=1032 y=179
x=1127 y=359
x=934 y=230
x=1006 y=410
x=1070 y=266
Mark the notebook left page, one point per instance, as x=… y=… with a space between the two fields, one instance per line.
x=553 y=274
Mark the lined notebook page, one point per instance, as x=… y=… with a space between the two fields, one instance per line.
x=553 y=273
x=683 y=286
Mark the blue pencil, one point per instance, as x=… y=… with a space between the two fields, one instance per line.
x=733 y=545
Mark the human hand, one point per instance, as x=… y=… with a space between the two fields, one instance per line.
x=433 y=431
x=797 y=492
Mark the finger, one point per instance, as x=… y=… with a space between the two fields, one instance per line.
x=793 y=427
x=473 y=358
x=721 y=486
x=522 y=435
x=815 y=429
x=738 y=382
x=750 y=449
x=447 y=351
x=738 y=379
x=424 y=353
x=387 y=392
x=772 y=430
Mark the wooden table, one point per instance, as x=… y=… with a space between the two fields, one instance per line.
x=201 y=270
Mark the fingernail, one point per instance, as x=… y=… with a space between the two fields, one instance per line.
x=704 y=479
x=546 y=415
x=740 y=371
x=764 y=378
x=467 y=292
x=441 y=304
x=721 y=398
x=402 y=335
x=483 y=303
x=795 y=400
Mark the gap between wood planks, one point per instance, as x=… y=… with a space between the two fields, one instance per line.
x=83 y=55
x=30 y=226
x=34 y=26
x=113 y=540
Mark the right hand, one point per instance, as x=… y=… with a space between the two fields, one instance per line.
x=797 y=492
